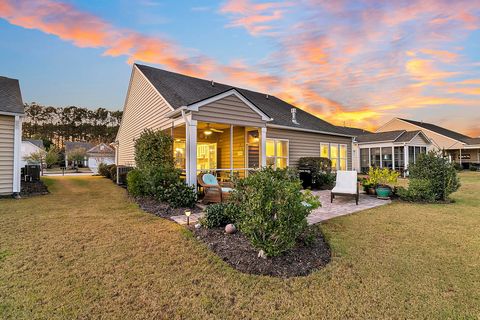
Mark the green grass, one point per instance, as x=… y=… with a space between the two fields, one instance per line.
x=85 y=251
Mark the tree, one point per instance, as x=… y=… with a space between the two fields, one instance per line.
x=51 y=157
x=37 y=157
x=77 y=155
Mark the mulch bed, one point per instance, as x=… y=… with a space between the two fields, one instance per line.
x=237 y=251
x=161 y=209
x=33 y=188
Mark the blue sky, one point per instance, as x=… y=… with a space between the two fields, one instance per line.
x=354 y=62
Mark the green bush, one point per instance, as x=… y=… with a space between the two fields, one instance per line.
x=318 y=164
x=272 y=210
x=154 y=149
x=103 y=170
x=325 y=180
x=419 y=190
x=112 y=169
x=177 y=195
x=135 y=183
x=219 y=215
x=438 y=171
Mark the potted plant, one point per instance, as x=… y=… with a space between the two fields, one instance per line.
x=368 y=186
x=385 y=178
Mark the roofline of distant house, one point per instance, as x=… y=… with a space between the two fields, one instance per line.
x=278 y=126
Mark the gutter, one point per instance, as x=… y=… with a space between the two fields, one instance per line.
x=6 y=113
x=308 y=130
x=173 y=113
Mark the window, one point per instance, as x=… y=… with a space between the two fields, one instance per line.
x=387 y=158
x=364 y=160
x=399 y=158
x=277 y=153
x=375 y=157
x=206 y=155
x=337 y=153
x=414 y=152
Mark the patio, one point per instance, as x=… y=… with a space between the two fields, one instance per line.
x=341 y=206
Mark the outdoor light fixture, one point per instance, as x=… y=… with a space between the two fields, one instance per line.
x=188 y=213
x=207 y=132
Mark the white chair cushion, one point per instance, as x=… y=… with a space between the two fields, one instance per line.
x=346 y=182
x=227 y=189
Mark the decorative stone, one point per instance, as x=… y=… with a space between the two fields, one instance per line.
x=230 y=228
x=261 y=254
x=198 y=226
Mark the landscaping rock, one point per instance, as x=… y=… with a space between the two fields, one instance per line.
x=230 y=229
x=261 y=254
x=198 y=226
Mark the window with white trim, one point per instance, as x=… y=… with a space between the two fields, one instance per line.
x=336 y=152
x=277 y=153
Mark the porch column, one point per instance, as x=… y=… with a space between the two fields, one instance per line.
x=231 y=150
x=191 y=152
x=17 y=154
x=263 y=147
x=393 y=158
x=460 y=157
x=405 y=155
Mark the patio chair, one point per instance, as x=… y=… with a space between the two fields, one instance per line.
x=346 y=185
x=214 y=192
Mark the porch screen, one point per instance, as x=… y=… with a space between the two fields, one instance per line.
x=364 y=161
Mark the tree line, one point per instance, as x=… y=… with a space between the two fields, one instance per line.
x=55 y=125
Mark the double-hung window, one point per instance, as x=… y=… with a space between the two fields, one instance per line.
x=337 y=153
x=277 y=153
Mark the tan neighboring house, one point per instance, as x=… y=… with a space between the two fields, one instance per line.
x=11 y=113
x=101 y=153
x=461 y=149
x=221 y=128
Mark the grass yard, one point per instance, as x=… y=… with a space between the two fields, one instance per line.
x=85 y=251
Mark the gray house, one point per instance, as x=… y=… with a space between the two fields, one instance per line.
x=11 y=113
x=223 y=129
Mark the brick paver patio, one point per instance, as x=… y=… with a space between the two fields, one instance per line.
x=342 y=205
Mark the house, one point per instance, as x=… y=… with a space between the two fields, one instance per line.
x=77 y=147
x=11 y=113
x=389 y=149
x=221 y=128
x=30 y=146
x=101 y=153
x=462 y=149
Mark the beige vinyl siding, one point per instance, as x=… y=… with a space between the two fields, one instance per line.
x=439 y=141
x=144 y=109
x=418 y=141
x=229 y=110
x=7 y=129
x=307 y=144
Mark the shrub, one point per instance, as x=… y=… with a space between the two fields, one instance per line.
x=154 y=149
x=318 y=164
x=272 y=210
x=112 y=172
x=177 y=195
x=381 y=177
x=219 y=215
x=325 y=180
x=104 y=170
x=438 y=171
x=135 y=183
x=419 y=190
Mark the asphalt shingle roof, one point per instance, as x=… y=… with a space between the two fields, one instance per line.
x=10 y=96
x=440 y=130
x=354 y=131
x=102 y=149
x=71 y=145
x=388 y=136
x=38 y=143
x=181 y=90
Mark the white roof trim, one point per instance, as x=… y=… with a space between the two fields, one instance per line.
x=196 y=105
x=5 y=113
x=308 y=130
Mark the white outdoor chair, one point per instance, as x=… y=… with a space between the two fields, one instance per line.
x=346 y=185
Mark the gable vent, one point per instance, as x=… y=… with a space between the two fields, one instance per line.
x=294 y=115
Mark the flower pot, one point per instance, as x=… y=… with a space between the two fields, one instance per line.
x=371 y=191
x=383 y=192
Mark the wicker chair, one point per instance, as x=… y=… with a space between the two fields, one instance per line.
x=214 y=192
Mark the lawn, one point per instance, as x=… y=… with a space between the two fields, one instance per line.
x=86 y=251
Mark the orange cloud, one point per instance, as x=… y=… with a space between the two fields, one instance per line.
x=442 y=55
x=253 y=16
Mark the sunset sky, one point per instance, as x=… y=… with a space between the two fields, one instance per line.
x=358 y=63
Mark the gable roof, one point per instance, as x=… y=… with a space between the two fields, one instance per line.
x=440 y=130
x=10 y=96
x=101 y=149
x=38 y=143
x=180 y=90
x=390 y=136
x=354 y=131
x=71 y=145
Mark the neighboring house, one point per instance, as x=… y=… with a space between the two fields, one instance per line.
x=221 y=128
x=30 y=146
x=462 y=149
x=11 y=113
x=101 y=153
x=77 y=145
x=390 y=149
